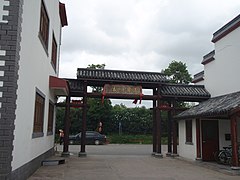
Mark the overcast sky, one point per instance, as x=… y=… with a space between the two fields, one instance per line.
x=141 y=35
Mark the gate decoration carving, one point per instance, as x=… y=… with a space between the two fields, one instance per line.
x=120 y=89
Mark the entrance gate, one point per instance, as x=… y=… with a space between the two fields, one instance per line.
x=128 y=85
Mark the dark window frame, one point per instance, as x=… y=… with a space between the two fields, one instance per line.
x=188 y=128
x=50 y=118
x=44 y=27
x=54 y=52
x=38 y=123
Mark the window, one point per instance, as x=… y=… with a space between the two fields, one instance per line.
x=38 y=115
x=54 y=52
x=44 y=26
x=188 y=124
x=50 y=118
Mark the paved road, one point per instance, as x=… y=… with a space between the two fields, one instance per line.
x=125 y=162
x=114 y=149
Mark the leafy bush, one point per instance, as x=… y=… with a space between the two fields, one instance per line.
x=132 y=139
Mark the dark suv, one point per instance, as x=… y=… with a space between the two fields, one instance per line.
x=92 y=137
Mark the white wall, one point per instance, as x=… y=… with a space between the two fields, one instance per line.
x=222 y=74
x=224 y=128
x=34 y=70
x=200 y=82
x=187 y=150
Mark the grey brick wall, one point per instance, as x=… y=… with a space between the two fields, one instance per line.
x=10 y=29
x=28 y=169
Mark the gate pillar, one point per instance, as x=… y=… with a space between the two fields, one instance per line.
x=82 y=153
x=154 y=134
x=174 y=129
x=169 y=131
x=158 y=125
x=66 y=127
x=235 y=159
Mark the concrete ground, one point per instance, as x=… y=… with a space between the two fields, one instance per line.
x=127 y=162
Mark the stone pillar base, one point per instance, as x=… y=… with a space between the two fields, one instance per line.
x=65 y=154
x=153 y=153
x=158 y=155
x=174 y=155
x=82 y=154
x=235 y=168
x=168 y=154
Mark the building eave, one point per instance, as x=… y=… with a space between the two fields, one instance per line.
x=63 y=14
x=226 y=29
x=58 y=86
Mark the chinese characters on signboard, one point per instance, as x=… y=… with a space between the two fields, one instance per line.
x=122 y=89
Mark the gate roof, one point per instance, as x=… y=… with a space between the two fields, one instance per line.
x=148 y=80
x=102 y=76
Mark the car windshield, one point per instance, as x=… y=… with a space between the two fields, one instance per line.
x=89 y=133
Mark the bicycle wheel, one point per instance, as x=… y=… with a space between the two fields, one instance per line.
x=216 y=156
x=223 y=157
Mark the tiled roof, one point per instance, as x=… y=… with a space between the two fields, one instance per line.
x=75 y=85
x=100 y=77
x=217 y=106
x=185 y=92
x=208 y=57
x=116 y=75
x=229 y=27
x=198 y=77
x=182 y=90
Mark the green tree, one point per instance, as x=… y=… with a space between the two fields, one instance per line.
x=99 y=111
x=97 y=66
x=133 y=120
x=60 y=114
x=178 y=72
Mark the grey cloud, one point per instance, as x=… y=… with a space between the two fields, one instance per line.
x=144 y=35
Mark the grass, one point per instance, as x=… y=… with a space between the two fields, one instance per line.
x=132 y=139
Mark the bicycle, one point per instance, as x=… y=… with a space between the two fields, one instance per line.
x=225 y=156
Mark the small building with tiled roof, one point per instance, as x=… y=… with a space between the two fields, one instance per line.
x=213 y=124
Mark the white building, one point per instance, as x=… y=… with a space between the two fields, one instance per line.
x=214 y=124
x=30 y=38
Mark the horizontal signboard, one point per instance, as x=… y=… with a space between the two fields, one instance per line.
x=122 y=89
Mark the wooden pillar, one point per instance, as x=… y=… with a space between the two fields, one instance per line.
x=169 y=131
x=235 y=160
x=154 y=134
x=174 y=129
x=66 y=128
x=84 y=122
x=198 y=139
x=159 y=130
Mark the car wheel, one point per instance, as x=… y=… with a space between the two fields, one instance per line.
x=71 y=142
x=96 y=142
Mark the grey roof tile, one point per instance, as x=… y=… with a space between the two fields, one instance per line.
x=221 y=105
x=88 y=73
x=184 y=90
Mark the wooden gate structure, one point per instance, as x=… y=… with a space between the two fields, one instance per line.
x=128 y=85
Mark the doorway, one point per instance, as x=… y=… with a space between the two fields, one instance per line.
x=210 y=139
